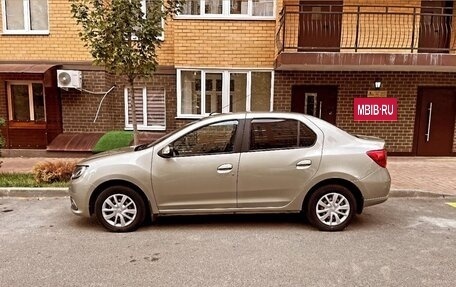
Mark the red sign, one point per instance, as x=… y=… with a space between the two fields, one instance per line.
x=375 y=109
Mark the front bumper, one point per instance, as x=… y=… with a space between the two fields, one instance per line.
x=79 y=199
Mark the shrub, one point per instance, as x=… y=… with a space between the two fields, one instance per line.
x=113 y=140
x=55 y=171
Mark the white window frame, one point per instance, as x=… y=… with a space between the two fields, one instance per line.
x=144 y=126
x=30 y=96
x=144 y=10
x=226 y=77
x=226 y=14
x=27 y=18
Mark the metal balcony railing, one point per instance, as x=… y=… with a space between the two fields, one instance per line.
x=366 y=28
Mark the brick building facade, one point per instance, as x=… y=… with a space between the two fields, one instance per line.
x=250 y=55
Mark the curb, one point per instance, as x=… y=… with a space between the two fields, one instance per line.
x=398 y=193
x=63 y=191
x=33 y=191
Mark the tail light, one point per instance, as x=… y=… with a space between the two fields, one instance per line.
x=379 y=156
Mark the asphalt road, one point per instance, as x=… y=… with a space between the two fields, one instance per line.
x=404 y=242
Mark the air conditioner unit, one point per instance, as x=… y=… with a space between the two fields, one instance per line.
x=69 y=79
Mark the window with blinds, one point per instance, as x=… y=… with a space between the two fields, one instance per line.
x=150 y=109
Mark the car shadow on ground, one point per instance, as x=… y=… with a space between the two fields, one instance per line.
x=235 y=222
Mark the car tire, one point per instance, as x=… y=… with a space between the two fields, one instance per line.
x=120 y=209
x=331 y=208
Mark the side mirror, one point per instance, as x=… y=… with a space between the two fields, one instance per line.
x=167 y=152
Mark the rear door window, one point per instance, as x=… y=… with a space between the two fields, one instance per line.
x=270 y=134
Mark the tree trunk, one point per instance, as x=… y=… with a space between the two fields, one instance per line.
x=133 y=112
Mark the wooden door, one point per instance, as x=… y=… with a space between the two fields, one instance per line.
x=435 y=26
x=318 y=101
x=320 y=25
x=434 y=130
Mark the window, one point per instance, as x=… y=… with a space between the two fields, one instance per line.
x=201 y=92
x=260 y=9
x=25 y=16
x=150 y=109
x=268 y=134
x=213 y=139
x=26 y=102
x=145 y=5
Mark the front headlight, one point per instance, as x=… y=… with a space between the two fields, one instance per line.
x=79 y=171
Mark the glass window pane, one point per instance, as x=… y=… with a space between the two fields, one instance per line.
x=310 y=105
x=215 y=138
x=261 y=92
x=213 y=7
x=14 y=14
x=238 y=92
x=20 y=102
x=139 y=106
x=190 y=92
x=156 y=108
x=273 y=134
x=306 y=136
x=38 y=15
x=262 y=7
x=239 y=6
x=38 y=102
x=213 y=93
x=191 y=7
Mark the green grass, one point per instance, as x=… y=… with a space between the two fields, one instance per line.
x=113 y=140
x=25 y=180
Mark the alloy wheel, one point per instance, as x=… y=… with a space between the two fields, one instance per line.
x=119 y=210
x=333 y=209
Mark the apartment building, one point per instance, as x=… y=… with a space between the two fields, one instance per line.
x=314 y=57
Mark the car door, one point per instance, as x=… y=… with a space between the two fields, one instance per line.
x=281 y=156
x=202 y=173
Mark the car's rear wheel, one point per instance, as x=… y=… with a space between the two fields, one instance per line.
x=120 y=209
x=331 y=208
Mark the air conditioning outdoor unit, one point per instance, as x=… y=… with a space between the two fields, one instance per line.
x=69 y=79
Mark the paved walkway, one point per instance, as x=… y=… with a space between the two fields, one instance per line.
x=409 y=174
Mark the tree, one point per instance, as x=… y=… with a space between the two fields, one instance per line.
x=124 y=36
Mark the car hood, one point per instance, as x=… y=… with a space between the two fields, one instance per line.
x=108 y=154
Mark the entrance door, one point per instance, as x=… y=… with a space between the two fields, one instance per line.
x=435 y=26
x=318 y=101
x=436 y=109
x=320 y=24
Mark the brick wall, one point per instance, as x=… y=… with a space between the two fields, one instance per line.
x=400 y=85
x=79 y=108
x=62 y=43
x=223 y=43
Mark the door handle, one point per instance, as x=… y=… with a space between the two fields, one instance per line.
x=304 y=164
x=319 y=112
x=428 y=133
x=225 y=168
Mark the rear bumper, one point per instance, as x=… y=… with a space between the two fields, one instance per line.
x=376 y=187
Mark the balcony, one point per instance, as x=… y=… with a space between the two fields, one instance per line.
x=366 y=37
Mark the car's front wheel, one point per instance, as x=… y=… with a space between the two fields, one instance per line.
x=120 y=209
x=331 y=208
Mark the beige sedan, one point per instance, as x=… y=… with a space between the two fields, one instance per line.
x=236 y=163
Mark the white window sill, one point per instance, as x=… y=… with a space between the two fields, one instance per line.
x=190 y=117
x=225 y=17
x=27 y=33
x=142 y=128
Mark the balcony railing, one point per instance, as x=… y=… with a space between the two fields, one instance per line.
x=366 y=28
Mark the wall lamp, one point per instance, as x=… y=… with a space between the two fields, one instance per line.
x=377 y=84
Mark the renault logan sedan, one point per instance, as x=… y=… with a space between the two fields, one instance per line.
x=236 y=163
